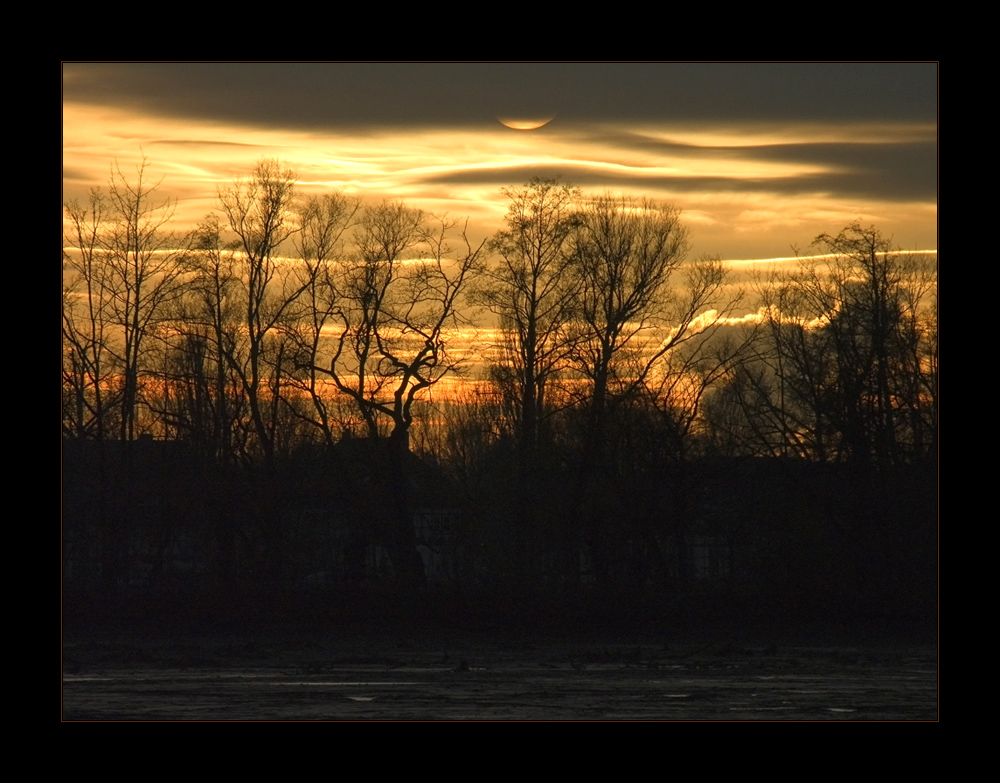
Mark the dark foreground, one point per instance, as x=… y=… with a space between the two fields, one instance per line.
x=461 y=677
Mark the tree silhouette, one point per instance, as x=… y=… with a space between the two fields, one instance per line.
x=846 y=367
x=280 y=327
x=628 y=316
x=626 y=251
x=88 y=362
x=392 y=315
x=532 y=292
x=874 y=301
x=204 y=399
x=123 y=272
x=260 y=212
x=397 y=298
x=324 y=221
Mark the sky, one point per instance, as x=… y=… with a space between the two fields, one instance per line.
x=760 y=157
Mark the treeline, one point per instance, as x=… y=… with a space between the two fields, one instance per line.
x=607 y=379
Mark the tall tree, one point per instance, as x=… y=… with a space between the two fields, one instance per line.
x=629 y=316
x=88 y=362
x=874 y=299
x=533 y=294
x=208 y=404
x=398 y=300
x=260 y=212
x=324 y=221
x=626 y=252
x=124 y=272
x=144 y=259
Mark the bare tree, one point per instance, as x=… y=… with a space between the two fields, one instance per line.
x=847 y=371
x=88 y=363
x=146 y=271
x=203 y=397
x=324 y=221
x=395 y=313
x=260 y=212
x=630 y=317
x=625 y=254
x=873 y=299
x=120 y=274
x=533 y=295
x=398 y=300
x=787 y=387
x=688 y=377
x=741 y=414
x=124 y=270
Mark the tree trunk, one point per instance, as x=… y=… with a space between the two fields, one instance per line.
x=406 y=559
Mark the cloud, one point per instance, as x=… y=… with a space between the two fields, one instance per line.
x=790 y=145
x=329 y=95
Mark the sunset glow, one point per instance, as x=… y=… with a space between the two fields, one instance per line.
x=748 y=187
x=754 y=187
x=524 y=124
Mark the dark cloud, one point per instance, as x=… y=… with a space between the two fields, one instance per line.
x=886 y=172
x=894 y=172
x=331 y=95
x=76 y=174
x=897 y=171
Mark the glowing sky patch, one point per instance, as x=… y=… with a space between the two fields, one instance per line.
x=525 y=123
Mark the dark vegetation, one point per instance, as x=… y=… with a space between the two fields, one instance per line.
x=255 y=432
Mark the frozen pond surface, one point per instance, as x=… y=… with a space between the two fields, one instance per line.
x=477 y=680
